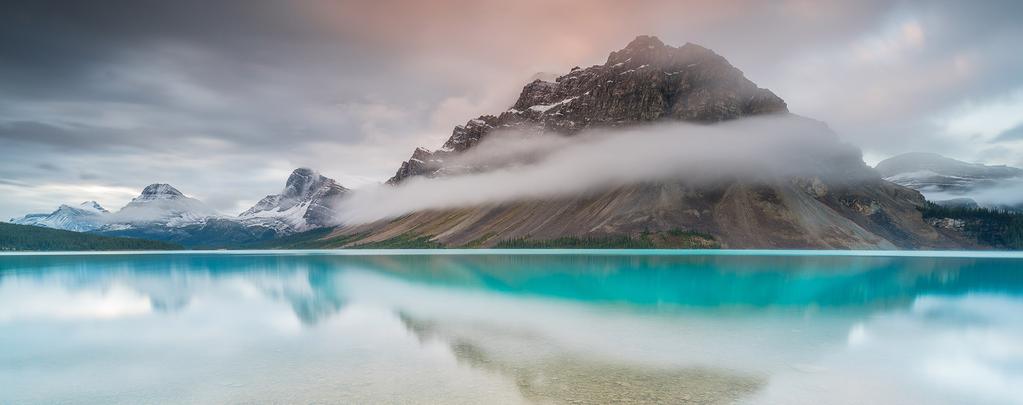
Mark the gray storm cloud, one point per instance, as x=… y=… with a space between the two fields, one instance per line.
x=762 y=149
x=101 y=97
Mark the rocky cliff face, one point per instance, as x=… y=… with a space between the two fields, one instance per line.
x=647 y=81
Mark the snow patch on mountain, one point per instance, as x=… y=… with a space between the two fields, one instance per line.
x=544 y=107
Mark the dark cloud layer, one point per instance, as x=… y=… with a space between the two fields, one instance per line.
x=224 y=98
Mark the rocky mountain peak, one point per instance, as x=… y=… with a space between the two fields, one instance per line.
x=651 y=51
x=162 y=204
x=645 y=81
x=306 y=202
x=85 y=208
x=92 y=206
x=302 y=182
x=159 y=190
x=643 y=47
x=645 y=42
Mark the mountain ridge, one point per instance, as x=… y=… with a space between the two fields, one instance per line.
x=162 y=212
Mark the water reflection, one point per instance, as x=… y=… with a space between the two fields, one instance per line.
x=571 y=378
x=469 y=329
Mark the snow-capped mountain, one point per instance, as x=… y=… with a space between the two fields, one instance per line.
x=162 y=204
x=158 y=205
x=86 y=216
x=954 y=182
x=162 y=212
x=305 y=203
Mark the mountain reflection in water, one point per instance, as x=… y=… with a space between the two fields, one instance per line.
x=575 y=328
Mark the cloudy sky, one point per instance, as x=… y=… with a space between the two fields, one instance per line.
x=224 y=98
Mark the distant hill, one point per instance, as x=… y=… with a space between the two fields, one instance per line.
x=947 y=181
x=36 y=238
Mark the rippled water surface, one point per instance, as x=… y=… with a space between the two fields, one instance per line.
x=511 y=327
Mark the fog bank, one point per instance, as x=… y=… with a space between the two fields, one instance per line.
x=1005 y=193
x=761 y=149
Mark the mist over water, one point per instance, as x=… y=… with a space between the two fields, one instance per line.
x=529 y=166
x=1004 y=193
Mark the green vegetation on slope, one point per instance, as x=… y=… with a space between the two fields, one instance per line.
x=313 y=239
x=215 y=233
x=571 y=242
x=35 y=238
x=999 y=229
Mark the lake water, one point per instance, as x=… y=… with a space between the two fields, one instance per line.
x=512 y=327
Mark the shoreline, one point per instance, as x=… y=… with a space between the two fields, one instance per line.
x=987 y=254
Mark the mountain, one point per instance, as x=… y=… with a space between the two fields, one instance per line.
x=948 y=181
x=162 y=204
x=162 y=212
x=838 y=203
x=646 y=81
x=159 y=205
x=86 y=216
x=15 y=237
x=305 y=203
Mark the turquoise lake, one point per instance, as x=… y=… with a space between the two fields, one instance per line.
x=494 y=327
